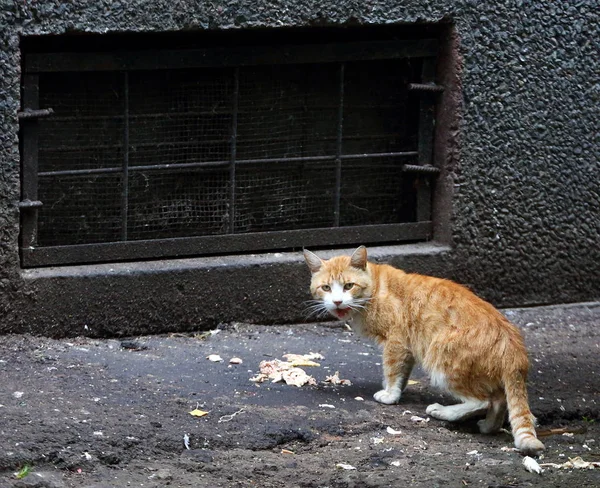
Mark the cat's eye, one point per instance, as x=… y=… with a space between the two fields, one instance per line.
x=326 y=287
x=348 y=286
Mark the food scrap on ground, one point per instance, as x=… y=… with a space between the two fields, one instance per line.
x=276 y=371
x=235 y=361
x=303 y=359
x=335 y=380
x=393 y=431
x=215 y=358
x=288 y=371
x=344 y=466
x=574 y=463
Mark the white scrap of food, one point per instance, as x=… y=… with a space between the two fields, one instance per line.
x=297 y=377
x=334 y=379
x=326 y=405
x=531 y=465
x=235 y=361
x=395 y=463
x=215 y=358
x=344 y=466
x=303 y=359
x=359 y=399
x=393 y=431
x=416 y=418
x=310 y=356
x=276 y=371
x=574 y=463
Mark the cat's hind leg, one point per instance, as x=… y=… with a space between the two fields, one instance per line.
x=398 y=363
x=496 y=415
x=470 y=407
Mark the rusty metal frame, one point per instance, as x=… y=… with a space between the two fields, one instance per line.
x=35 y=63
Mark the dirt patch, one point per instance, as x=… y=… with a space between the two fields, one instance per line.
x=108 y=413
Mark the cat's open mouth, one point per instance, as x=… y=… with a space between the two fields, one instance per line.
x=341 y=312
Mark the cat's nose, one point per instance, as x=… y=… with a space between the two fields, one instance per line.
x=337 y=303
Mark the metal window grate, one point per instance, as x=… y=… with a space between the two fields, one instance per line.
x=187 y=153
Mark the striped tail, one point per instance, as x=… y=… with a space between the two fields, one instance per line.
x=520 y=417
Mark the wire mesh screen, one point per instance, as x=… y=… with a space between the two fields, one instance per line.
x=214 y=151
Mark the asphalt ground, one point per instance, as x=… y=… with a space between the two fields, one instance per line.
x=116 y=412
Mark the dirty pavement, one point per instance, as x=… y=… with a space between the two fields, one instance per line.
x=175 y=410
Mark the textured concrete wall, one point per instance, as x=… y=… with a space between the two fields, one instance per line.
x=526 y=203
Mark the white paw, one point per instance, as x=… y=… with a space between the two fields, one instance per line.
x=384 y=396
x=436 y=411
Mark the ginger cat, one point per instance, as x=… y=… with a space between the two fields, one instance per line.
x=467 y=347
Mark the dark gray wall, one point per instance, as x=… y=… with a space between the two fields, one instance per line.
x=526 y=193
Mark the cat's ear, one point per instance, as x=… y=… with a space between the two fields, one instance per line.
x=314 y=262
x=359 y=258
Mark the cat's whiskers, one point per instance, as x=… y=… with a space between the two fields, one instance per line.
x=316 y=308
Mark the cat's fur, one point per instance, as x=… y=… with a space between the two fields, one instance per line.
x=468 y=348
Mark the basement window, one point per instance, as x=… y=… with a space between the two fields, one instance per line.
x=164 y=152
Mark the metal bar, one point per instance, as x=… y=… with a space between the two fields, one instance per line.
x=338 y=151
x=156 y=145
x=234 y=121
x=28 y=204
x=403 y=154
x=415 y=168
x=203 y=164
x=206 y=141
x=29 y=183
x=125 y=168
x=34 y=114
x=426 y=128
x=163 y=115
x=223 y=56
x=213 y=245
x=428 y=87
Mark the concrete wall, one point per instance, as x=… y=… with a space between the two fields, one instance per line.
x=524 y=187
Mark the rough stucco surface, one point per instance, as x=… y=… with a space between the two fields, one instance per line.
x=526 y=203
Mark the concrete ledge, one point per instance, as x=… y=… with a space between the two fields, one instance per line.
x=186 y=294
x=376 y=253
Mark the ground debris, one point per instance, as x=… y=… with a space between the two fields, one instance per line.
x=532 y=465
x=229 y=417
x=344 y=466
x=561 y=430
x=198 y=413
x=215 y=358
x=574 y=463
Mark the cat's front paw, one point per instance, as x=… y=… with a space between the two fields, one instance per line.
x=386 y=397
x=436 y=411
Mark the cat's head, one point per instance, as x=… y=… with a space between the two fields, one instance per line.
x=341 y=285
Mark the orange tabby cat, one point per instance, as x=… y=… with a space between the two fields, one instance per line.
x=468 y=348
